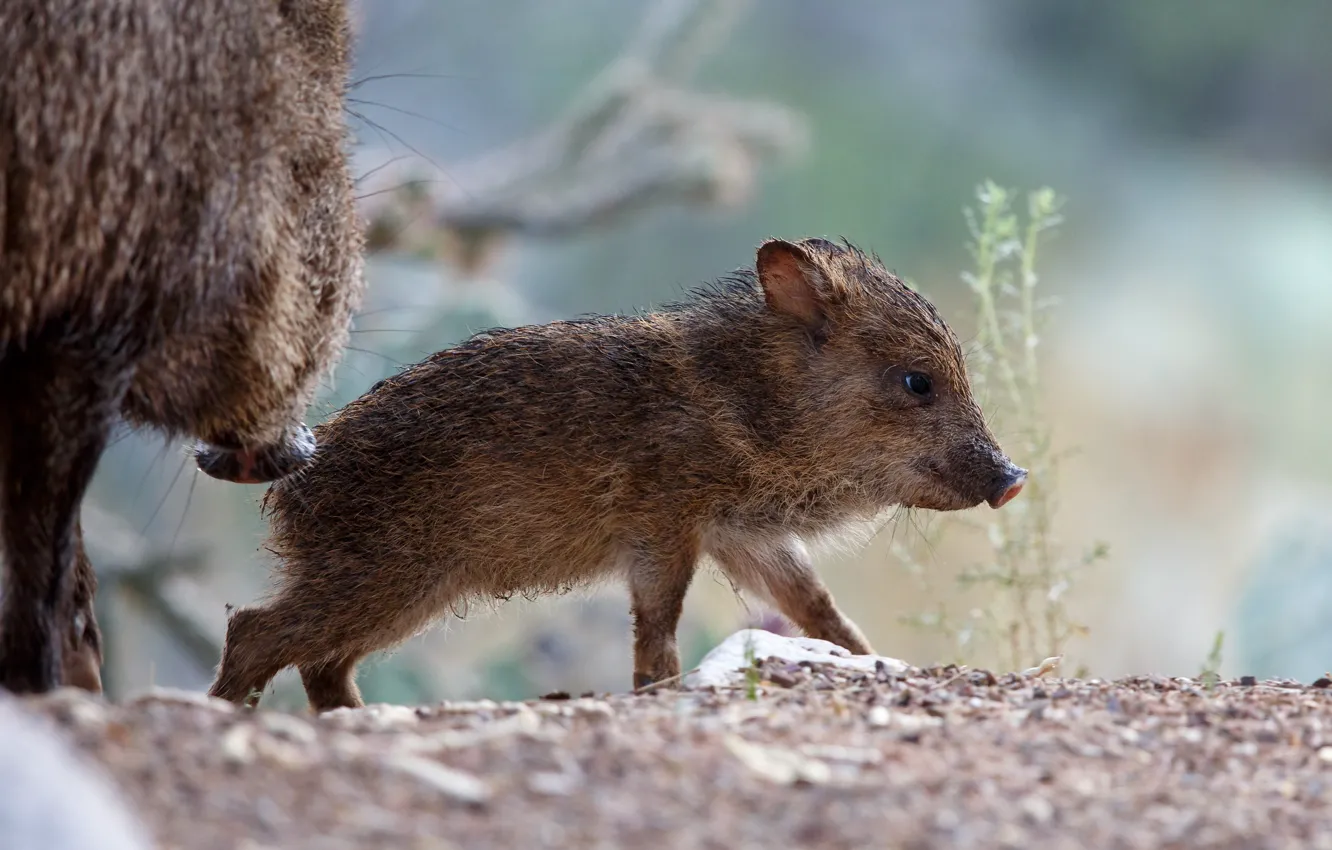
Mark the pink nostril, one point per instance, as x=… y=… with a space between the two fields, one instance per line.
x=246 y=460
x=1009 y=494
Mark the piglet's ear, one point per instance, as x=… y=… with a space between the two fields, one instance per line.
x=792 y=283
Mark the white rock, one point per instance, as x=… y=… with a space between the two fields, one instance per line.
x=84 y=710
x=458 y=784
x=880 y=716
x=380 y=716
x=1047 y=666
x=179 y=696
x=778 y=765
x=1038 y=809
x=345 y=745
x=238 y=744
x=551 y=783
x=725 y=664
x=1191 y=735
x=54 y=799
x=589 y=708
x=287 y=726
x=848 y=755
x=524 y=722
x=466 y=706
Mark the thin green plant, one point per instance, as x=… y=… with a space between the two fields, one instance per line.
x=1022 y=585
x=752 y=675
x=1210 y=674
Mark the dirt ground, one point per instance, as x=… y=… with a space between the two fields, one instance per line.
x=819 y=757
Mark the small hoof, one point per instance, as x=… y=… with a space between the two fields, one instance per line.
x=83 y=670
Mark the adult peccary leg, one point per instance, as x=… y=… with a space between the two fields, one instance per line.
x=56 y=412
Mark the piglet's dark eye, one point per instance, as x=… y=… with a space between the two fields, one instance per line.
x=918 y=383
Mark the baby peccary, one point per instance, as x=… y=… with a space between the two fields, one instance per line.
x=778 y=405
x=178 y=248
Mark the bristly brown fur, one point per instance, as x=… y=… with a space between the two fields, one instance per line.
x=767 y=408
x=178 y=246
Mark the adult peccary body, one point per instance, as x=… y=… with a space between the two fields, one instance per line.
x=178 y=247
x=779 y=405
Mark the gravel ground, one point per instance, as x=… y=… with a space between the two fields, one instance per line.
x=821 y=756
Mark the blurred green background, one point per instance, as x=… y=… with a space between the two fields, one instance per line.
x=1189 y=359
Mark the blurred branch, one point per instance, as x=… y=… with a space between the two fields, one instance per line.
x=198 y=642
x=677 y=35
x=130 y=568
x=629 y=141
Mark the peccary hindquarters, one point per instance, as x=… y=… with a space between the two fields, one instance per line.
x=57 y=413
x=781 y=404
x=178 y=247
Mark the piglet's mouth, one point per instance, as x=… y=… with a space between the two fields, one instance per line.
x=258 y=465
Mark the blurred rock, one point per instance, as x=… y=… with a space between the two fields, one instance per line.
x=52 y=798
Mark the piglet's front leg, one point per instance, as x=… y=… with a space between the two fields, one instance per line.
x=658 y=582
x=783 y=574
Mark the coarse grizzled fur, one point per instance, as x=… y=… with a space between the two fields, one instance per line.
x=777 y=405
x=178 y=247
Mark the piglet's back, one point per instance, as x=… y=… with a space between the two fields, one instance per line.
x=493 y=432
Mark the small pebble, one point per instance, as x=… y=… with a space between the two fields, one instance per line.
x=1038 y=809
x=451 y=782
x=778 y=765
x=381 y=716
x=783 y=679
x=237 y=746
x=288 y=727
x=552 y=783
x=179 y=696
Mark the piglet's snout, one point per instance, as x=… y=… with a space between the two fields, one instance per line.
x=1010 y=483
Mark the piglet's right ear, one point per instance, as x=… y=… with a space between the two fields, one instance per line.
x=792 y=284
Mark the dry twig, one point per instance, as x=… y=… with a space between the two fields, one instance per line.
x=636 y=137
